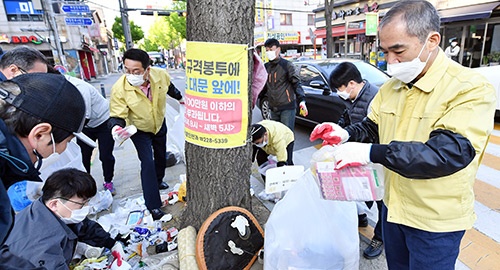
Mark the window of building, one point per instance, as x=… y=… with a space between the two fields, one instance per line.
x=310 y=19
x=285 y=18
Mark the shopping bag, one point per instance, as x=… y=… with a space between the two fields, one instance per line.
x=305 y=231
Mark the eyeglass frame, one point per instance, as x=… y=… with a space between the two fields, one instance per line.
x=81 y=204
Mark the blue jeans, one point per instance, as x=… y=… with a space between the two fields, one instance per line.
x=152 y=151
x=287 y=117
x=102 y=134
x=410 y=248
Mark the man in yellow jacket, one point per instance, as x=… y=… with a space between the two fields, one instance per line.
x=272 y=138
x=139 y=98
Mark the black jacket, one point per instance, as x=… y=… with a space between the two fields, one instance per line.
x=15 y=166
x=443 y=154
x=283 y=85
x=357 y=110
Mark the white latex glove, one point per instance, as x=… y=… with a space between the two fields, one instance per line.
x=121 y=134
x=330 y=133
x=352 y=154
x=303 y=109
x=118 y=250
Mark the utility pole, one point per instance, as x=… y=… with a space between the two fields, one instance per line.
x=50 y=16
x=125 y=24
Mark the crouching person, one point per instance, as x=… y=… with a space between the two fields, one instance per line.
x=272 y=138
x=46 y=232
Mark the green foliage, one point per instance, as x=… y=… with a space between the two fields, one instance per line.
x=169 y=31
x=135 y=31
x=148 y=45
x=494 y=56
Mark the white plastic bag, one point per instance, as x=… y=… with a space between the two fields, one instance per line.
x=175 y=133
x=69 y=158
x=306 y=232
x=101 y=201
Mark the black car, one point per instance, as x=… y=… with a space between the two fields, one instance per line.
x=323 y=103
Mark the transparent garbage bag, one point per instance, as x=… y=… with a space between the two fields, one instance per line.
x=305 y=231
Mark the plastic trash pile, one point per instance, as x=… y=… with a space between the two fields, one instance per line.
x=148 y=244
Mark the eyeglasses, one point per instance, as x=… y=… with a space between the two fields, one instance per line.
x=22 y=70
x=78 y=203
x=134 y=72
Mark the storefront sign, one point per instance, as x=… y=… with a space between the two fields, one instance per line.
x=371 y=24
x=20 y=39
x=356 y=11
x=291 y=37
x=216 y=94
x=20 y=7
x=285 y=37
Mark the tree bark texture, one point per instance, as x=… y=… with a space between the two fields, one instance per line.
x=328 y=20
x=217 y=178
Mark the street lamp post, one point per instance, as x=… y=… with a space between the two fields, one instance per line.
x=125 y=24
x=47 y=4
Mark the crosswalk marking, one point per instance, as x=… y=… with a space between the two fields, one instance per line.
x=480 y=247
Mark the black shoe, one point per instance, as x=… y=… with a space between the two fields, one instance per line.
x=374 y=249
x=157 y=213
x=164 y=185
x=362 y=220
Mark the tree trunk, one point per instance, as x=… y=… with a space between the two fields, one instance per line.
x=217 y=178
x=328 y=21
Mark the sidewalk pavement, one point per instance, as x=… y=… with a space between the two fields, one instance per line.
x=127 y=181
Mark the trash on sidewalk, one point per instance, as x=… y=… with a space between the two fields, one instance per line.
x=305 y=231
x=132 y=224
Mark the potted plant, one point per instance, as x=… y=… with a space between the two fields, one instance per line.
x=493 y=58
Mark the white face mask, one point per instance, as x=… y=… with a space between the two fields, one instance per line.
x=271 y=55
x=135 y=80
x=77 y=215
x=408 y=71
x=454 y=44
x=344 y=95
x=51 y=159
x=262 y=144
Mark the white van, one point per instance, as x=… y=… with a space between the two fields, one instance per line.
x=492 y=73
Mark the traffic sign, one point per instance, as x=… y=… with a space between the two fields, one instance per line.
x=75 y=8
x=77 y=21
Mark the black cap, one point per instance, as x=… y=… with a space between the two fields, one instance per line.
x=49 y=97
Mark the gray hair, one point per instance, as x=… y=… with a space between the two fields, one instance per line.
x=22 y=56
x=420 y=16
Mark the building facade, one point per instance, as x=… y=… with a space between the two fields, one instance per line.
x=474 y=24
x=82 y=51
x=290 y=22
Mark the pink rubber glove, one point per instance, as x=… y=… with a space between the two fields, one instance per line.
x=319 y=130
x=332 y=134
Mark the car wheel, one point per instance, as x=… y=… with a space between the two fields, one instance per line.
x=265 y=110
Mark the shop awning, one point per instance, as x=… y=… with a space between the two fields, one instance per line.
x=474 y=12
x=338 y=31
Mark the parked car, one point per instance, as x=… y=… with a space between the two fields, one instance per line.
x=323 y=103
x=492 y=74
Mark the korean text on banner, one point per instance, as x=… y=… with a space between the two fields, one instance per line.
x=216 y=94
x=371 y=23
